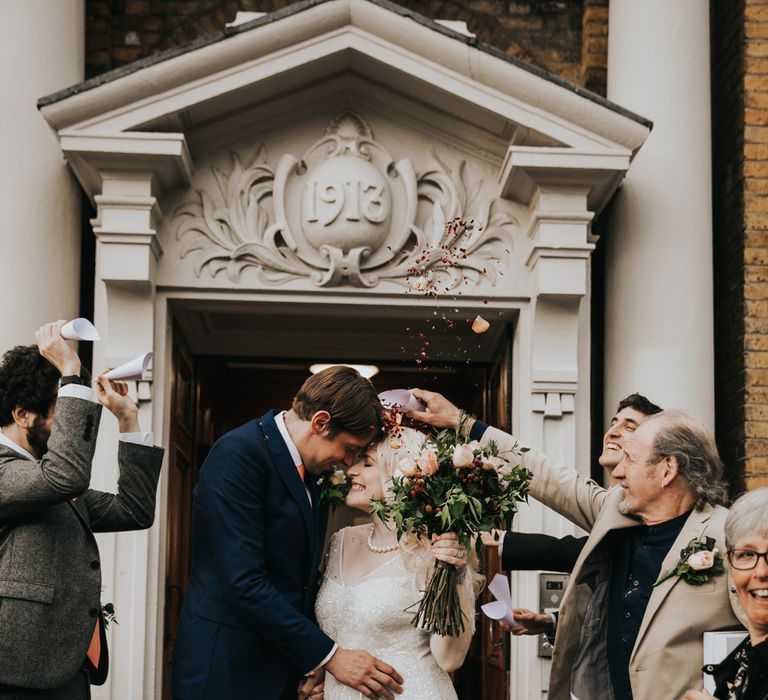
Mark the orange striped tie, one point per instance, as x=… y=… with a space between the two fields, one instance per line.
x=94 y=648
x=302 y=471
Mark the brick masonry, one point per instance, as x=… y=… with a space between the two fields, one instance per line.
x=566 y=37
x=739 y=31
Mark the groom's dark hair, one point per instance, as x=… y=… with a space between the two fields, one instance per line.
x=348 y=396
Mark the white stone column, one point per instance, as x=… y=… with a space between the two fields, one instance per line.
x=127 y=251
x=658 y=297
x=562 y=188
x=42 y=51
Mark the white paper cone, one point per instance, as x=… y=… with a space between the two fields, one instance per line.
x=501 y=608
x=132 y=371
x=401 y=398
x=498 y=611
x=79 y=329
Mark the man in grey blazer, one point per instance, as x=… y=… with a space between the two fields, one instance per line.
x=52 y=642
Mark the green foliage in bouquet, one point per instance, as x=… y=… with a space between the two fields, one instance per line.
x=333 y=487
x=452 y=486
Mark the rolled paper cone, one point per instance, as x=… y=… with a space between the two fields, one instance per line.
x=413 y=404
x=480 y=325
x=132 y=371
x=498 y=611
x=501 y=608
x=401 y=398
x=79 y=329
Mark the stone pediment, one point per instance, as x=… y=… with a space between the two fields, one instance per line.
x=339 y=203
x=150 y=108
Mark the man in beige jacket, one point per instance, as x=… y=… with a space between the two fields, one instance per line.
x=619 y=636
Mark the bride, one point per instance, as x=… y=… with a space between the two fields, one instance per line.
x=370 y=581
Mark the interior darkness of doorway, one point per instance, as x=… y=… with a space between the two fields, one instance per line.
x=87 y=272
x=263 y=384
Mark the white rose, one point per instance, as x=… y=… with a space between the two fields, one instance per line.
x=502 y=471
x=338 y=477
x=699 y=561
x=405 y=467
x=463 y=456
x=493 y=463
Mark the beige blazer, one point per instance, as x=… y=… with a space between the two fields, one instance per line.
x=668 y=654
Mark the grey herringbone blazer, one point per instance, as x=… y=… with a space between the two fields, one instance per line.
x=50 y=578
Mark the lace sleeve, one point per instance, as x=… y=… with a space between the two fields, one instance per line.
x=332 y=564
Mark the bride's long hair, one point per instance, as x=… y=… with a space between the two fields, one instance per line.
x=416 y=551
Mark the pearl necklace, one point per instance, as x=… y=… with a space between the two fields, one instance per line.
x=376 y=549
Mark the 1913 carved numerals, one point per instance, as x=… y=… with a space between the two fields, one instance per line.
x=351 y=200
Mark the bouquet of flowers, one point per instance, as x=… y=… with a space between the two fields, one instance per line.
x=452 y=486
x=333 y=487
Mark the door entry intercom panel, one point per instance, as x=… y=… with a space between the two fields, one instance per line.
x=551 y=590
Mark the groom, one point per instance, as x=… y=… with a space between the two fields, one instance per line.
x=246 y=626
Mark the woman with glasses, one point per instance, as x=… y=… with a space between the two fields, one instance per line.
x=743 y=675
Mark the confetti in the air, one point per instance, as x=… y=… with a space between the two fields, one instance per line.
x=480 y=325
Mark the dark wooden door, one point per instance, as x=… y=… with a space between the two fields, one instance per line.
x=212 y=395
x=182 y=475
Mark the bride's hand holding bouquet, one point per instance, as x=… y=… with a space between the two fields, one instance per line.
x=452 y=490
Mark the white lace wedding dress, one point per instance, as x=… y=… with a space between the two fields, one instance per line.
x=370 y=615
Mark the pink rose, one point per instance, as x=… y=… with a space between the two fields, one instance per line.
x=427 y=461
x=699 y=561
x=406 y=467
x=463 y=456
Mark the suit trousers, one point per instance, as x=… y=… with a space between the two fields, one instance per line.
x=77 y=688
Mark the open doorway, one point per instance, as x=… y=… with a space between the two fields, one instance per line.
x=214 y=392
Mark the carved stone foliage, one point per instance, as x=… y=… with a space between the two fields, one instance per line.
x=346 y=212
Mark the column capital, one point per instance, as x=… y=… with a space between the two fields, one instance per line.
x=563 y=173
x=127 y=218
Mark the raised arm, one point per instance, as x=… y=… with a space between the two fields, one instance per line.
x=133 y=506
x=561 y=488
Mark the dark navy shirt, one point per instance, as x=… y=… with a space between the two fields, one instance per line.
x=638 y=553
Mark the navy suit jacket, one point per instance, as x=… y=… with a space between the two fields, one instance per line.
x=246 y=627
x=528 y=551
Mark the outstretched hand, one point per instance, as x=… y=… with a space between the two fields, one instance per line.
x=365 y=673
x=114 y=396
x=529 y=622
x=440 y=412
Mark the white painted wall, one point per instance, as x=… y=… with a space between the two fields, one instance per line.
x=41 y=52
x=659 y=322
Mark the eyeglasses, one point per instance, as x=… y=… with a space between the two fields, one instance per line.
x=745 y=559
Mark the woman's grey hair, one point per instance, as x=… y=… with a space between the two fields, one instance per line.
x=748 y=517
x=687 y=440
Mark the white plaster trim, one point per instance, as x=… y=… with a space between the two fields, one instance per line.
x=348 y=20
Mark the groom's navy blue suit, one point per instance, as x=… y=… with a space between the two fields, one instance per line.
x=246 y=629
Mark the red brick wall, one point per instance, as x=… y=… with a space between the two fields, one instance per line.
x=739 y=31
x=755 y=189
x=545 y=33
